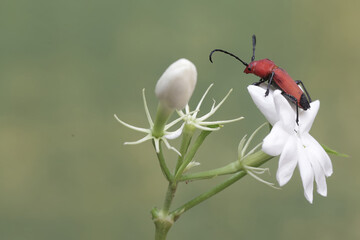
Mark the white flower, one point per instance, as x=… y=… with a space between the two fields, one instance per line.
x=176 y=85
x=149 y=133
x=200 y=123
x=293 y=143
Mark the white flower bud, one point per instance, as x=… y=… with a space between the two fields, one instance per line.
x=177 y=84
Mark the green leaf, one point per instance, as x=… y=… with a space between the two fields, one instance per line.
x=332 y=151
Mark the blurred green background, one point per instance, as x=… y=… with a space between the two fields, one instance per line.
x=67 y=66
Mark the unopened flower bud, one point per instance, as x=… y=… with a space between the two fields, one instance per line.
x=177 y=84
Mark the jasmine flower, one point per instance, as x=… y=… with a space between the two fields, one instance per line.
x=293 y=143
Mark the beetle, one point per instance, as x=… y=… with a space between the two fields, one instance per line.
x=268 y=71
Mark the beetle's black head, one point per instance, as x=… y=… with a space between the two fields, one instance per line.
x=304 y=103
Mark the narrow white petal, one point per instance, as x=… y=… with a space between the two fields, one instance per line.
x=284 y=110
x=206 y=128
x=209 y=114
x=144 y=130
x=213 y=105
x=223 y=100
x=318 y=171
x=214 y=108
x=258 y=170
x=167 y=144
x=251 y=137
x=306 y=173
x=241 y=150
x=187 y=109
x=169 y=125
x=288 y=161
x=148 y=116
x=175 y=134
x=157 y=144
x=266 y=105
x=222 y=122
x=274 y=142
x=191 y=165
x=307 y=117
x=318 y=151
x=252 y=150
x=148 y=137
x=181 y=113
x=202 y=99
x=249 y=171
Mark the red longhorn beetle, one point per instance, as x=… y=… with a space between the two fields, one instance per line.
x=276 y=76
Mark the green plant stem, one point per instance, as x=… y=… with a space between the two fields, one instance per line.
x=190 y=155
x=187 y=133
x=162 y=218
x=228 y=169
x=254 y=160
x=170 y=193
x=163 y=166
x=163 y=222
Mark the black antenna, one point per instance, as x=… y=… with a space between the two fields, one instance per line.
x=226 y=52
x=254 y=44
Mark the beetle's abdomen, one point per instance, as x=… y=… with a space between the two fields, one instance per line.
x=304 y=103
x=283 y=81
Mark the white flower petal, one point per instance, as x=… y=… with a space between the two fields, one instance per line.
x=191 y=165
x=148 y=116
x=222 y=121
x=287 y=162
x=200 y=102
x=318 y=151
x=266 y=105
x=306 y=173
x=286 y=113
x=167 y=144
x=144 y=139
x=197 y=125
x=274 y=142
x=214 y=109
x=307 y=117
x=144 y=130
x=315 y=157
x=157 y=144
x=319 y=177
x=175 y=134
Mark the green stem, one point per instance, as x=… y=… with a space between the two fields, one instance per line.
x=163 y=223
x=199 y=199
x=187 y=133
x=228 y=169
x=163 y=166
x=190 y=155
x=253 y=160
x=170 y=194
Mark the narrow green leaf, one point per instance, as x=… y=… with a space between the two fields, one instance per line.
x=332 y=151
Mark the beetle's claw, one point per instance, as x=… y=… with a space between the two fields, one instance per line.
x=267 y=93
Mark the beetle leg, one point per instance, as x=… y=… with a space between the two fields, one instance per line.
x=303 y=86
x=259 y=82
x=294 y=100
x=269 y=83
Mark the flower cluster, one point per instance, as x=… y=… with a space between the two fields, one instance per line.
x=174 y=89
x=293 y=142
